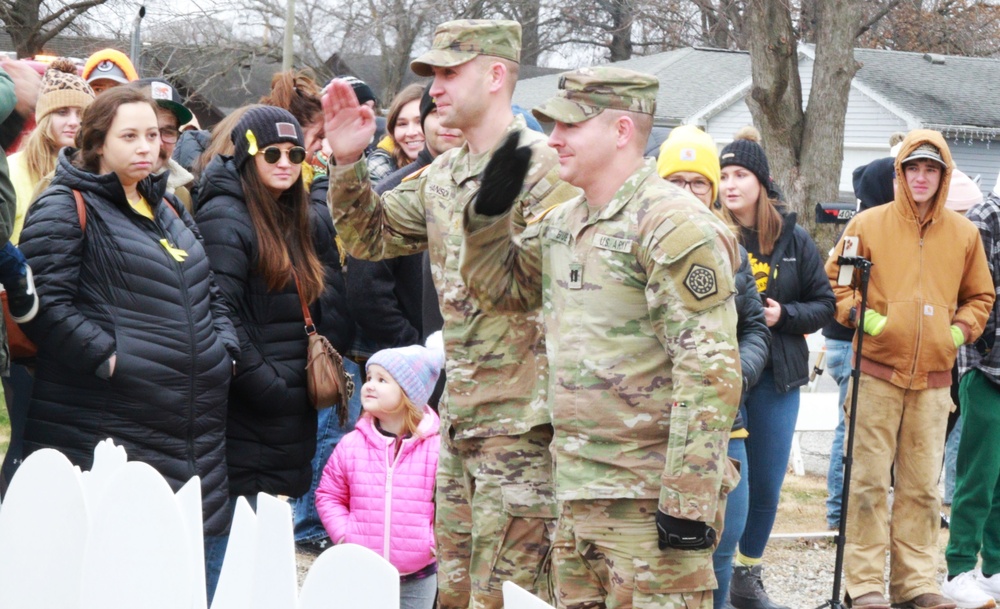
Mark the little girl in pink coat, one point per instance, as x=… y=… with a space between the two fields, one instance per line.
x=377 y=489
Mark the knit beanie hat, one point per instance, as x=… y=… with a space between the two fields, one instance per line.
x=873 y=183
x=963 y=193
x=62 y=88
x=260 y=127
x=363 y=92
x=415 y=368
x=745 y=151
x=427 y=105
x=690 y=149
x=111 y=64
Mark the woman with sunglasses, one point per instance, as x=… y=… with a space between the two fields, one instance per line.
x=254 y=216
x=134 y=341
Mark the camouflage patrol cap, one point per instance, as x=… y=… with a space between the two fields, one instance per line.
x=456 y=42
x=585 y=93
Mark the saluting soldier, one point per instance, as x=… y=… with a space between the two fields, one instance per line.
x=635 y=279
x=495 y=505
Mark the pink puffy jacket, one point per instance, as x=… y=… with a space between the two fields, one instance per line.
x=366 y=497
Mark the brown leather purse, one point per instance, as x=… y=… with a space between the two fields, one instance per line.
x=327 y=381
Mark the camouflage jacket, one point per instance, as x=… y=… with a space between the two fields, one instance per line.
x=495 y=363
x=641 y=337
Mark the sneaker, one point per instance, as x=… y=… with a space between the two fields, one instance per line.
x=990 y=585
x=928 y=600
x=746 y=590
x=22 y=298
x=967 y=593
x=871 y=600
x=945 y=521
x=314 y=546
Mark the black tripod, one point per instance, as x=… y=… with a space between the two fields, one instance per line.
x=864 y=267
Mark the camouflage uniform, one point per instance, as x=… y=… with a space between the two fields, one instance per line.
x=645 y=371
x=495 y=505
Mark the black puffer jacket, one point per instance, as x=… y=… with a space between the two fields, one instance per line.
x=271 y=434
x=333 y=319
x=799 y=283
x=114 y=289
x=751 y=331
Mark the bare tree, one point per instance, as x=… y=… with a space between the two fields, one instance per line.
x=32 y=23
x=805 y=147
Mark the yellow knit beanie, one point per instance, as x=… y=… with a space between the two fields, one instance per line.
x=690 y=149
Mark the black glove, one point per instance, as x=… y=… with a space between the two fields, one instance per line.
x=683 y=534
x=503 y=177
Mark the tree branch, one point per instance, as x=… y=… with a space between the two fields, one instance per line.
x=877 y=16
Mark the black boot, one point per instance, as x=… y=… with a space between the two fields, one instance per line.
x=746 y=591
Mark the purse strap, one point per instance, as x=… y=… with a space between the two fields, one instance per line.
x=310 y=327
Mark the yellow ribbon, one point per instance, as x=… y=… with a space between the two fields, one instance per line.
x=178 y=254
x=252 y=150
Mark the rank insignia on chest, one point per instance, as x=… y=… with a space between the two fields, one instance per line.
x=575 y=276
x=700 y=281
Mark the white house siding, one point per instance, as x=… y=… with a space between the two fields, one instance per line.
x=974 y=158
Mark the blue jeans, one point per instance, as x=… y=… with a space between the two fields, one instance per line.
x=20 y=385
x=418 y=593
x=736 y=518
x=951 y=459
x=308 y=526
x=771 y=419
x=839 y=361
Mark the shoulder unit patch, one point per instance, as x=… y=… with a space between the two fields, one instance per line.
x=700 y=281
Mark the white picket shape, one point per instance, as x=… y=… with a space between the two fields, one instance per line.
x=43 y=529
x=138 y=552
x=276 y=584
x=516 y=597
x=108 y=460
x=236 y=584
x=189 y=500
x=349 y=576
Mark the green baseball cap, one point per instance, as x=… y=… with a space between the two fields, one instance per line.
x=585 y=93
x=456 y=42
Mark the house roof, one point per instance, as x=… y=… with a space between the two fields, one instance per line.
x=937 y=94
x=691 y=79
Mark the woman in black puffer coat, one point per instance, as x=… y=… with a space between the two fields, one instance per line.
x=256 y=236
x=134 y=341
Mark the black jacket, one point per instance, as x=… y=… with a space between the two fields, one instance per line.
x=271 y=428
x=800 y=284
x=333 y=319
x=751 y=331
x=113 y=288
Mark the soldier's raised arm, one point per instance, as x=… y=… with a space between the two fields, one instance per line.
x=348 y=125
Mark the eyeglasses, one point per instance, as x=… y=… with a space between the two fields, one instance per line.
x=697 y=186
x=296 y=154
x=169 y=135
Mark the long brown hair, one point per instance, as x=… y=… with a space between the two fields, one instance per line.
x=297 y=92
x=410 y=93
x=284 y=234
x=768 y=222
x=96 y=122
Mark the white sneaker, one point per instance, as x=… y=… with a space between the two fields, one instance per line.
x=989 y=585
x=965 y=591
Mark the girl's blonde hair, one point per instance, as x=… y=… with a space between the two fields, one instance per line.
x=41 y=151
x=412 y=417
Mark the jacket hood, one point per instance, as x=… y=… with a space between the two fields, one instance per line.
x=106 y=186
x=220 y=178
x=178 y=176
x=904 y=198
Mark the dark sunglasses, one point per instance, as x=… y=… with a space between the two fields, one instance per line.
x=296 y=154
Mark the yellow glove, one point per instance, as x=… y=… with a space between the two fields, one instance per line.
x=874 y=322
x=958 y=336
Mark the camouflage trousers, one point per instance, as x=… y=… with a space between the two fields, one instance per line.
x=495 y=517
x=605 y=555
